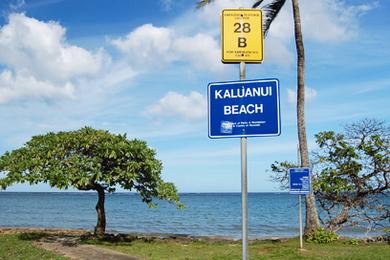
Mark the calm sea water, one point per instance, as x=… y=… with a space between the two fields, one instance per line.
x=206 y=214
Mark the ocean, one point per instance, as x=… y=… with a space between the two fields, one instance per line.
x=206 y=214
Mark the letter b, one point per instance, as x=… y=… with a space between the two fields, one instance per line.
x=242 y=42
x=227 y=110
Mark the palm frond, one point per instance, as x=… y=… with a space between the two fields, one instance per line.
x=202 y=3
x=257 y=3
x=270 y=12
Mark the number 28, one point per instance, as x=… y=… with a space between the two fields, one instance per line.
x=245 y=27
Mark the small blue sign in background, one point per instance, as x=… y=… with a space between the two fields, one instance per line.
x=300 y=182
x=244 y=108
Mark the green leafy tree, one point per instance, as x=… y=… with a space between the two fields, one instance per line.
x=89 y=159
x=351 y=175
x=271 y=9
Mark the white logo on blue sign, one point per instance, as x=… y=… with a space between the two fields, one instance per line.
x=226 y=127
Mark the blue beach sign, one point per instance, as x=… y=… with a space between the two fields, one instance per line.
x=243 y=108
x=300 y=182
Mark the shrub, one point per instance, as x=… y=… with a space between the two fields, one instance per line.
x=353 y=241
x=322 y=236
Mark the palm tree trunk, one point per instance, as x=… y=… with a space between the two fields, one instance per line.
x=312 y=220
x=100 y=228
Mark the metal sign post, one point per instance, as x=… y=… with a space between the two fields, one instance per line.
x=300 y=223
x=243 y=108
x=244 y=184
x=300 y=184
x=300 y=205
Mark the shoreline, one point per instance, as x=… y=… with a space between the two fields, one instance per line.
x=122 y=236
x=133 y=235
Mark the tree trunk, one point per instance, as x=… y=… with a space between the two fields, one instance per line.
x=339 y=219
x=100 y=228
x=312 y=220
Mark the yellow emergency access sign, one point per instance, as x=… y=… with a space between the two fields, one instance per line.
x=242 y=35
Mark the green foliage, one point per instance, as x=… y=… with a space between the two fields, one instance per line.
x=387 y=233
x=355 y=161
x=322 y=236
x=350 y=174
x=352 y=169
x=353 y=241
x=341 y=160
x=279 y=170
x=85 y=159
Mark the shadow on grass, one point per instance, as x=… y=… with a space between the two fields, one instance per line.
x=32 y=236
x=90 y=238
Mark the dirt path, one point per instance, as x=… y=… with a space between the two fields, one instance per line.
x=83 y=252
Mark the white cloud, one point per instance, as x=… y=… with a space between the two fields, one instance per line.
x=324 y=21
x=17 y=86
x=277 y=52
x=37 y=52
x=157 y=46
x=118 y=72
x=201 y=50
x=332 y=20
x=173 y=104
x=310 y=94
x=40 y=48
x=147 y=44
x=291 y=96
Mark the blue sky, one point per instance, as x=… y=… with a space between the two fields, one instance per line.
x=142 y=68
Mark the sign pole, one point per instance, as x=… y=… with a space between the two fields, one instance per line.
x=300 y=206
x=240 y=30
x=300 y=221
x=244 y=184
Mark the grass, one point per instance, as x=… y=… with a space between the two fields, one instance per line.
x=257 y=250
x=20 y=246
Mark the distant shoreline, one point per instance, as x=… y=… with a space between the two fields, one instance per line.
x=180 y=193
x=79 y=232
